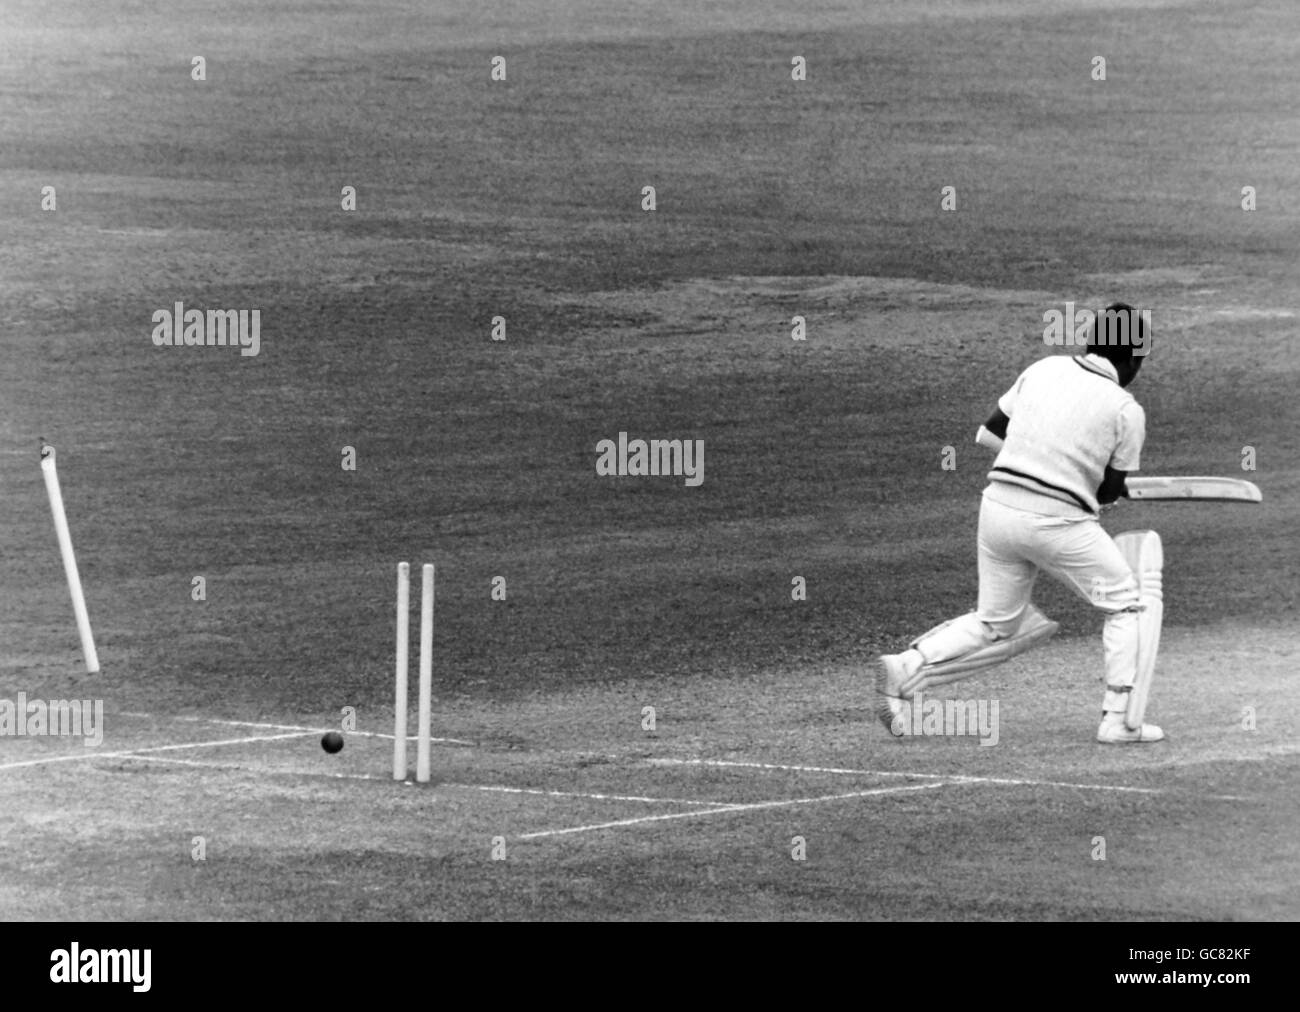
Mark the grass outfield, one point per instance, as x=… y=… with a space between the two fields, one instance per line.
x=521 y=199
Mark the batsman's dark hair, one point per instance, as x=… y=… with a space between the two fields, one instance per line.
x=1111 y=341
x=1119 y=334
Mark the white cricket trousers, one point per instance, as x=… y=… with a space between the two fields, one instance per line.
x=1014 y=546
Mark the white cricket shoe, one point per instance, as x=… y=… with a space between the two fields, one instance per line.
x=1113 y=731
x=889 y=679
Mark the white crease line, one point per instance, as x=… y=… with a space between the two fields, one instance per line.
x=1266 y=752
x=89 y=754
x=953 y=777
x=797 y=769
x=491 y=788
x=252 y=769
x=593 y=797
x=287 y=727
x=756 y=806
x=956 y=777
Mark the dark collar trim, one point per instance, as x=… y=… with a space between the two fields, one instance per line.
x=1089 y=367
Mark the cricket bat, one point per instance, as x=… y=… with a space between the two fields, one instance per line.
x=1198 y=488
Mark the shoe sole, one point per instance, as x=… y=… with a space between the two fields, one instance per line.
x=884 y=713
x=1131 y=741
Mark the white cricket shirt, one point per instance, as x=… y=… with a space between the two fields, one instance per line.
x=1070 y=418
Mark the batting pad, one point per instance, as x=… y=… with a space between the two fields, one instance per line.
x=1035 y=628
x=1145 y=555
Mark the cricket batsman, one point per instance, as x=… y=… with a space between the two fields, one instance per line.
x=1066 y=434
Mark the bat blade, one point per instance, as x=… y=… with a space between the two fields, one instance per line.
x=1193 y=489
